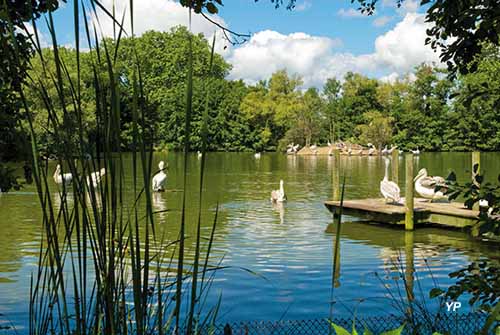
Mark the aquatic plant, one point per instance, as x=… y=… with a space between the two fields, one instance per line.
x=342 y=331
x=103 y=266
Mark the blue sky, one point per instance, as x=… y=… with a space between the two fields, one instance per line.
x=317 y=40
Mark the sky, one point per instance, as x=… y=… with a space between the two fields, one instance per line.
x=317 y=40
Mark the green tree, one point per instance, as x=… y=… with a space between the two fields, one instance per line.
x=377 y=129
x=15 y=52
x=332 y=92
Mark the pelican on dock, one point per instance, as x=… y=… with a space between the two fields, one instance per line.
x=159 y=179
x=278 y=195
x=389 y=189
x=425 y=185
x=60 y=178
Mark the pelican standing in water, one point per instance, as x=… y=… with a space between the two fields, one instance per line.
x=159 y=179
x=371 y=149
x=278 y=195
x=257 y=155
x=60 y=178
x=426 y=185
x=415 y=152
x=389 y=189
x=95 y=177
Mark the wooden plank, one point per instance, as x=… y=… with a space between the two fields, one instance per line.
x=451 y=214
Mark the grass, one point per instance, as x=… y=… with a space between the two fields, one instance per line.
x=101 y=259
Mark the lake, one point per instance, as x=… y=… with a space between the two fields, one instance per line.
x=286 y=248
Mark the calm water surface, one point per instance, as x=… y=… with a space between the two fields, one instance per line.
x=286 y=246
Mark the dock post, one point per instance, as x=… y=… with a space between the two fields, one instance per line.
x=476 y=159
x=395 y=166
x=336 y=175
x=409 y=192
x=409 y=269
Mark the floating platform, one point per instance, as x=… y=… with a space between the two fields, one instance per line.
x=450 y=214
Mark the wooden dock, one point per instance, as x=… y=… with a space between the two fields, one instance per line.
x=450 y=214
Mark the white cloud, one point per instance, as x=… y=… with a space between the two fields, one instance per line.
x=351 y=12
x=269 y=51
x=390 y=78
x=316 y=58
x=161 y=16
x=304 y=5
x=45 y=41
x=404 y=47
x=381 y=21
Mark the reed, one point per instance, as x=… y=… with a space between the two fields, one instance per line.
x=102 y=261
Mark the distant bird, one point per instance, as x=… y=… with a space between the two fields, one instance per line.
x=296 y=147
x=393 y=147
x=96 y=177
x=257 y=155
x=371 y=150
x=199 y=154
x=313 y=147
x=426 y=185
x=159 y=179
x=290 y=151
x=329 y=143
x=415 y=152
x=389 y=189
x=278 y=195
x=484 y=203
x=385 y=151
x=65 y=178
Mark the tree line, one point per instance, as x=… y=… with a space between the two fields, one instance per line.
x=426 y=109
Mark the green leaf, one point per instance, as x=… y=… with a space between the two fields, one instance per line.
x=396 y=331
x=338 y=329
x=367 y=332
x=212 y=9
x=435 y=292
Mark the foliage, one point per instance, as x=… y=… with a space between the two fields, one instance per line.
x=474 y=192
x=15 y=40
x=377 y=129
x=8 y=179
x=342 y=331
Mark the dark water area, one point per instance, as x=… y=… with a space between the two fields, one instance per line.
x=285 y=246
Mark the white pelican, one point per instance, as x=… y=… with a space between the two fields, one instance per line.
x=59 y=178
x=313 y=147
x=385 y=151
x=296 y=147
x=371 y=149
x=393 y=147
x=159 y=179
x=389 y=189
x=278 y=195
x=257 y=155
x=199 y=154
x=290 y=151
x=415 y=152
x=96 y=177
x=426 y=185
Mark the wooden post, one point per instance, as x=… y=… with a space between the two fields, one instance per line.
x=409 y=192
x=476 y=159
x=336 y=175
x=395 y=166
x=409 y=269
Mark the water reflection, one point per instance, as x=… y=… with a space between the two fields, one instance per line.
x=289 y=249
